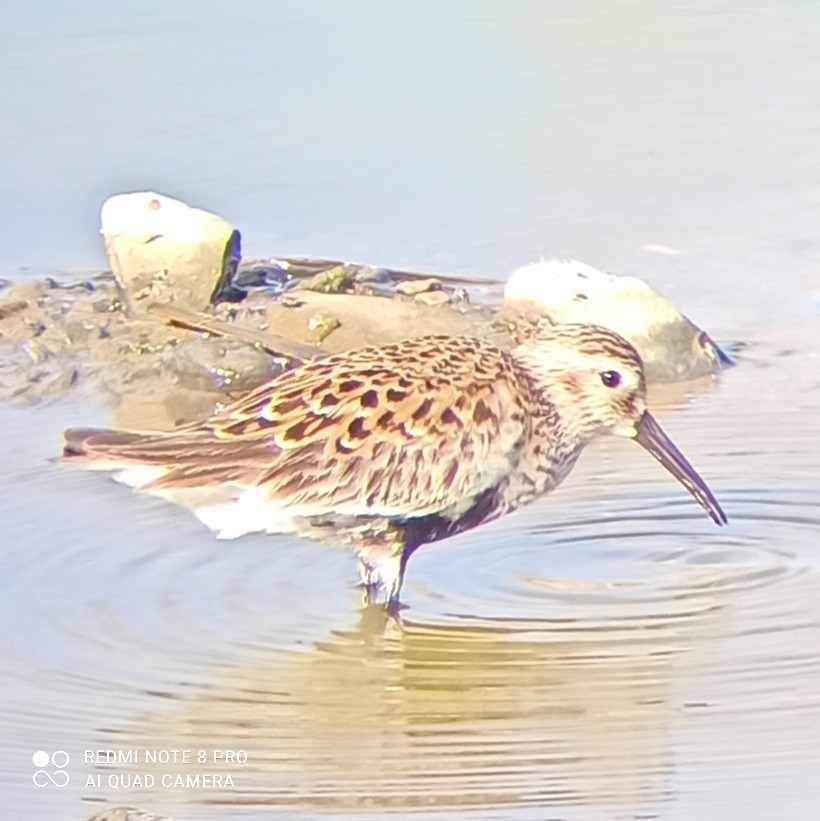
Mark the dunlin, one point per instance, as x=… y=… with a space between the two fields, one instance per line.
x=390 y=447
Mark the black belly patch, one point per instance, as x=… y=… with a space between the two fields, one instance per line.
x=423 y=529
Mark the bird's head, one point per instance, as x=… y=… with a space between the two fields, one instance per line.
x=595 y=381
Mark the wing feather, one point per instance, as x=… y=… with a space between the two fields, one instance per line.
x=407 y=429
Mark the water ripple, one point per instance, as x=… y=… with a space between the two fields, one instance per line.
x=568 y=656
x=619 y=565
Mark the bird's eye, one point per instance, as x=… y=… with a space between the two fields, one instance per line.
x=611 y=379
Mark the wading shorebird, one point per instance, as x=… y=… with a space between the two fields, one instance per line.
x=390 y=447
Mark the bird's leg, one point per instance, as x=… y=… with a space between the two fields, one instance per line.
x=381 y=568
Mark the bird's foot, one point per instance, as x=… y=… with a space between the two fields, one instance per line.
x=394 y=608
x=381 y=581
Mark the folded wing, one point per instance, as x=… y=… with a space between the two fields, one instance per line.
x=405 y=430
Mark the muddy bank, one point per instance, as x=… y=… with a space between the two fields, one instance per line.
x=158 y=368
x=180 y=324
x=75 y=338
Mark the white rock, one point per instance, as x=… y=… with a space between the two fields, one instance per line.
x=162 y=250
x=673 y=348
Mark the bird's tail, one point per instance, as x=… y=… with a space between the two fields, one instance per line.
x=136 y=459
x=191 y=468
x=82 y=446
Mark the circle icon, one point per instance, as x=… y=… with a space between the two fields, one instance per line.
x=63 y=756
x=40 y=759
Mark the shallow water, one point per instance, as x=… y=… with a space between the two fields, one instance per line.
x=604 y=654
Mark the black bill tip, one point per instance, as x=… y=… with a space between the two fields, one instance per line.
x=650 y=435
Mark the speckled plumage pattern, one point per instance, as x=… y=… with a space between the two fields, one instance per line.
x=387 y=448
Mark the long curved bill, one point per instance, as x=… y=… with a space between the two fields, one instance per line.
x=650 y=435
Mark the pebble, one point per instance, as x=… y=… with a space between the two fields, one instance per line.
x=432 y=298
x=411 y=287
